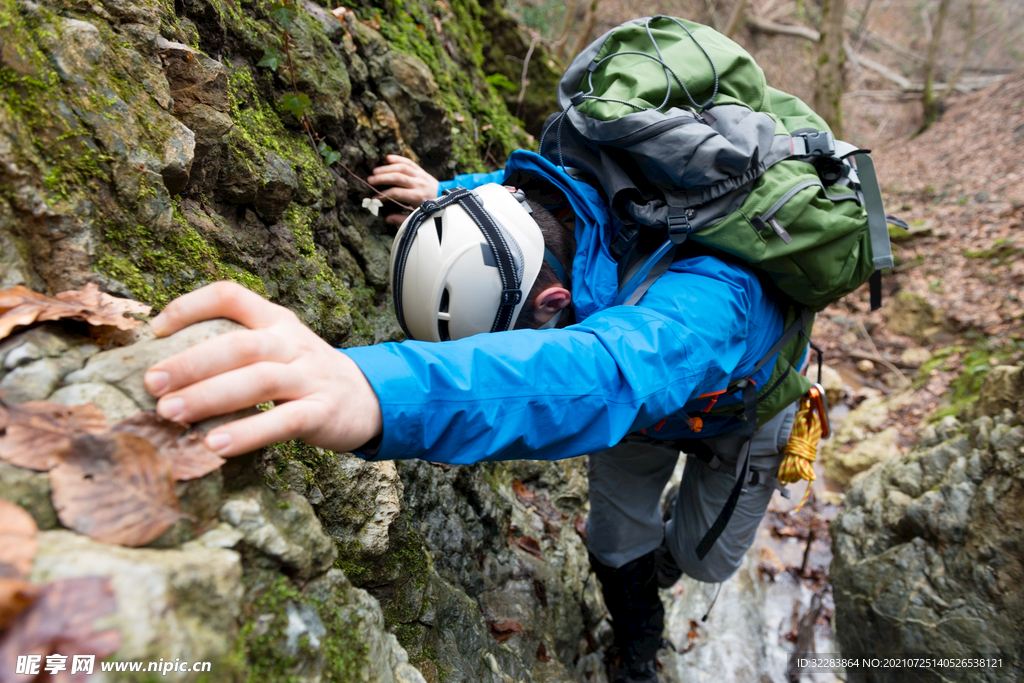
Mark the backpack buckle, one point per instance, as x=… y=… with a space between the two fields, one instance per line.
x=679 y=227
x=817 y=144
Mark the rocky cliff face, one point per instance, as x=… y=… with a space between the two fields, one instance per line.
x=151 y=147
x=301 y=564
x=928 y=548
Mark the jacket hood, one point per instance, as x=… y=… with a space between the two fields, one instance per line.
x=594 y=272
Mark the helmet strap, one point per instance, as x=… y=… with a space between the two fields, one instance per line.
x=551 y=323
x=556 y=266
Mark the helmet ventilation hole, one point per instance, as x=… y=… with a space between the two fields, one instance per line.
x=437 y=226
x=443 y=308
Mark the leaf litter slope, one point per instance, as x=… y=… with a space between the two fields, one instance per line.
x=960 y=185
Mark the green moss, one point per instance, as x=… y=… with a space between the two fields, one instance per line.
x=159 y=268
x=262 y=641
x=1001 y=251
x=976 y=362
x=465 y=93
x=258 y=127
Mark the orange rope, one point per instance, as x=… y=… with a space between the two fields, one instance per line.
x=801 y=451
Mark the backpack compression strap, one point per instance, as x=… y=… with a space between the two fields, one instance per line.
x=511 y=293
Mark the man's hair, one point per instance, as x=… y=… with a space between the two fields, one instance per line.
x=562 y=243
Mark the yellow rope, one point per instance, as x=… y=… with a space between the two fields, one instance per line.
x=801 y=451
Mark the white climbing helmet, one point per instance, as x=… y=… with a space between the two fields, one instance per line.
x=464 y=263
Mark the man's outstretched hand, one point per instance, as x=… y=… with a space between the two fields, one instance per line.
x=409 y=183
x=321 y=396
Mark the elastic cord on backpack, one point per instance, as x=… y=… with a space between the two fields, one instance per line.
x=660 y=59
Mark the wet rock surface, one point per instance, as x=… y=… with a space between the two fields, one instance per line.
x=928 y=547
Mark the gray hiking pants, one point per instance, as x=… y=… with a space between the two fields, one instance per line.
x=626 y=482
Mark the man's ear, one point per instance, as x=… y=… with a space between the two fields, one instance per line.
x=552 y=300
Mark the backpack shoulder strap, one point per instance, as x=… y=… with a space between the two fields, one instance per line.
x=636 y=280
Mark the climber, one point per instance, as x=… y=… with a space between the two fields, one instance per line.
x=568 y=375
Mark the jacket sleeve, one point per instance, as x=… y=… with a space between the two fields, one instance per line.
x=549 y=394
x=471 y=181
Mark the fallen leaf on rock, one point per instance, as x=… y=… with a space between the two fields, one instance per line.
x=37 y=429
x=691 y=637
x=530 y=545
x=581 y=526
x=60 y=621
x=542 y=653
x=17 y=541
x=15 y=597
x=524 y=494
x=115 y=488
x=189 y=456
x=22 y=306
x=99 y=308
x=503 y=630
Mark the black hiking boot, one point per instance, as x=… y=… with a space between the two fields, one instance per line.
x=637 y=672
x=637 y=616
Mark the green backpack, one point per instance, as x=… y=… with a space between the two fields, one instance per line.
x=676 y=125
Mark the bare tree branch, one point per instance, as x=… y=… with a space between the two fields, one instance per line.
x=773 y=27
x=523 y=80
x=903 y=83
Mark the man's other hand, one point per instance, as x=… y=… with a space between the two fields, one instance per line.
x=409 y=184
x=321 y=396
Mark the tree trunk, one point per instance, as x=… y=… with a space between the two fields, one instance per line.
x=928 y=99
x=971 y=29
x=562 y=44
x=588 y=29
x=735 y=19
x=828 y=82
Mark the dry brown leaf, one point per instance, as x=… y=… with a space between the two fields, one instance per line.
x=503 y=630
x=17 y=541
x=18 y=296
x=524 y=494
x=99 y=308
x=115 y=488
x=60 y=621
x=22 y=306
x=189 y=456
x=25 y=314
x=37 y=429
x=15 y=597
x=530 y=545
x=542 y=653
x=581 y=526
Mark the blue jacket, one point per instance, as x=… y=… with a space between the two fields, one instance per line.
x=549 y=394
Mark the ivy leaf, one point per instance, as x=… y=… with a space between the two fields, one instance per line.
x=283 y=13
x=330 y=156
x=373 y=205
x=296 y=104
x=500 y=81
x=271 y=59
